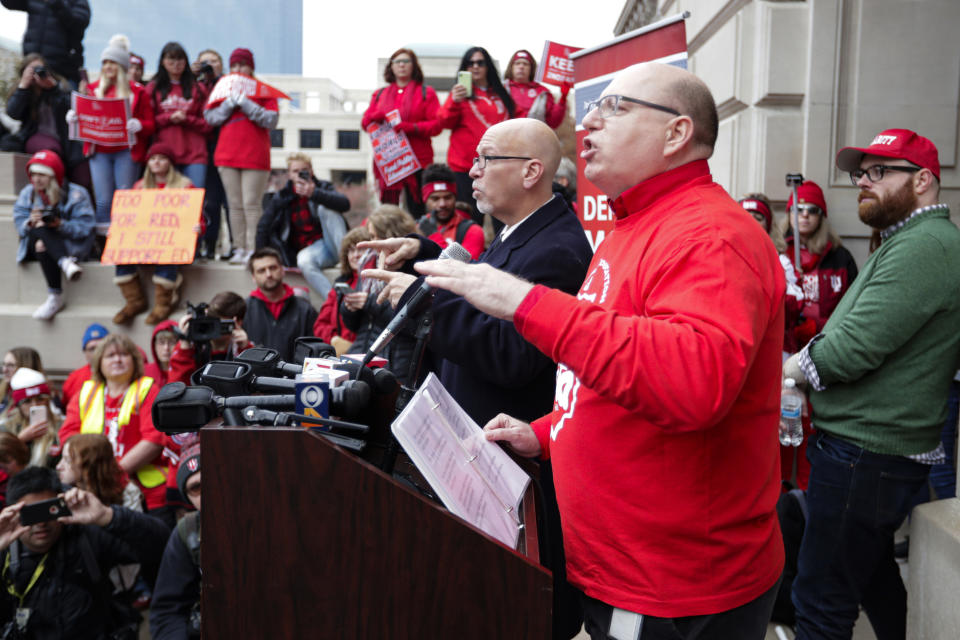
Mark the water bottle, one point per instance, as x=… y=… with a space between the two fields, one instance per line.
x=791 y=408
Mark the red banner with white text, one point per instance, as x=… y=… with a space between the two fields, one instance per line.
x=234 y=83
x=102 y=121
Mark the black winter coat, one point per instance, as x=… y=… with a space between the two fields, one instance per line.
x=22 y=106
x=55 y=31
x=273 y=229
x=177 y=590
x=296 y=320
x=66 y=603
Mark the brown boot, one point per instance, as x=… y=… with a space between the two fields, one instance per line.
x=165 y=297
x=133 y=294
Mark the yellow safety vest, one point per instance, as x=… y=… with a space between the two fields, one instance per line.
x=92 y=412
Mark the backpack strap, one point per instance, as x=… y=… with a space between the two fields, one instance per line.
x=462 y=228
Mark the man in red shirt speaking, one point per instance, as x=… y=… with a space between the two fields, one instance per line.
x=664 y=431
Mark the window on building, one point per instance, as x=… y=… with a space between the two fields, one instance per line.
x=348 y=139
x=276 y=138
x=311 y=138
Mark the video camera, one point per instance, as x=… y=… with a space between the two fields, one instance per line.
x=203 y=327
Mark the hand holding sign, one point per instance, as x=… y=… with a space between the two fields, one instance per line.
x=153 y=226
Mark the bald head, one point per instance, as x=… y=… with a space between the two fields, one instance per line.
x=677 y=88
x=529 y=137
x=509 y=188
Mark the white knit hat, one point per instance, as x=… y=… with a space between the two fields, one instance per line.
x=118 y=50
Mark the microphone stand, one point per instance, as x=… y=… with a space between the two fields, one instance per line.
x=422 y=335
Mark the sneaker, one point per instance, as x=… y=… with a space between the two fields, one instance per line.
x=227 y=254
x=240 y=256
x=49 y=308
x=71 y=269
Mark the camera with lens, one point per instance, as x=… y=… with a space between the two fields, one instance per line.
x=206 y=69
x=204 y=327
x=50 y=215
x=41 y=72
x=305 y=175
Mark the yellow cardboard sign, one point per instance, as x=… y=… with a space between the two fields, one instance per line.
x=153 y=226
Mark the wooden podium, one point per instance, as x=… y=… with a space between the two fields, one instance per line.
x=302 y=540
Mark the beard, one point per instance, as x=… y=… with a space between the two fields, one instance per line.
x=889 y=210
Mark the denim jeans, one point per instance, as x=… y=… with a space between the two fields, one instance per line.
x=214 y=200
x=165 y=271
x=311 y=261
x=856 y=501
x=196 y=172
x=110 y=171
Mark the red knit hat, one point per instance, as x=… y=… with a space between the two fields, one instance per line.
x=163 y=149
x=809 y=193
x=902 y=144
x=48 y=163
x=27 y=383
x=242 y=56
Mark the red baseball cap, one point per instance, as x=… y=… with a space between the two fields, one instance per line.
x=893 y=143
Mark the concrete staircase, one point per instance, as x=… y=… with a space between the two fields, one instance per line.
x=94 y=297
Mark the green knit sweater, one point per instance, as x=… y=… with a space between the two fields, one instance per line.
x=892 y=346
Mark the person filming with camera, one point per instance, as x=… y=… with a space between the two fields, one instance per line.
x=55 y=221
x=211 y=331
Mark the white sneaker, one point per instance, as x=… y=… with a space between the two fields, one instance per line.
x=240 y=256
x=50 y=307
x=71 y=269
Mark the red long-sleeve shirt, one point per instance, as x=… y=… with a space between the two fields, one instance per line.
x=664 y=433
x=468 y=121
x=525 y=93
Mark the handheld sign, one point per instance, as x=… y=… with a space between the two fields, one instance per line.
x=101 y=121
x=153 y=226
x=392 y=153
x=555 y=66
x=239 y=83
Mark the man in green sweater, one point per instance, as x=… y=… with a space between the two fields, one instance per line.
x=879 y=375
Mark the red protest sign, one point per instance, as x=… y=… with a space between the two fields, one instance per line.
x=101 y=121
x=153 y=226
x=238 y=83
x=555 y=66
x=392 y=153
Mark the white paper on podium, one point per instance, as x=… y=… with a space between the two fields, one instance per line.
x=475 y=479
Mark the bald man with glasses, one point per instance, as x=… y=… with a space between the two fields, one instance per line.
x=663 y=436
x=879 y=374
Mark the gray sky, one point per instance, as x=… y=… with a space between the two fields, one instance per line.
x=343 y=43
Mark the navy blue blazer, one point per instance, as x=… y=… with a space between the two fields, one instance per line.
x=482 y=361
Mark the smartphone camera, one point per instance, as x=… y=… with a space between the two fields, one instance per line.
x=41 y=72
x=43 y=511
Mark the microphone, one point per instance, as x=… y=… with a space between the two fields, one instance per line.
x=454 y=251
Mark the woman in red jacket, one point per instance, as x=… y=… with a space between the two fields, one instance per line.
x=469 y=114
x=533 y=100
x=114 y=168
x=243 y=155
x=416 y=105
x=178 y=101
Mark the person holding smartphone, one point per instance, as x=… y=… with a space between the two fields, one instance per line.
x=56 y=571
x=329 y=325
x=36 y=419
x=469 y=112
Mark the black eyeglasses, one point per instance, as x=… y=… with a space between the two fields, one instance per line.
x=610 y=105
x=477 y=63
x=875 y=173
x=480 y=162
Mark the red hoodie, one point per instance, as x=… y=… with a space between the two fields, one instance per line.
x=153 y=369
x=664 y=433
x=525 y=93
x=188 y=137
